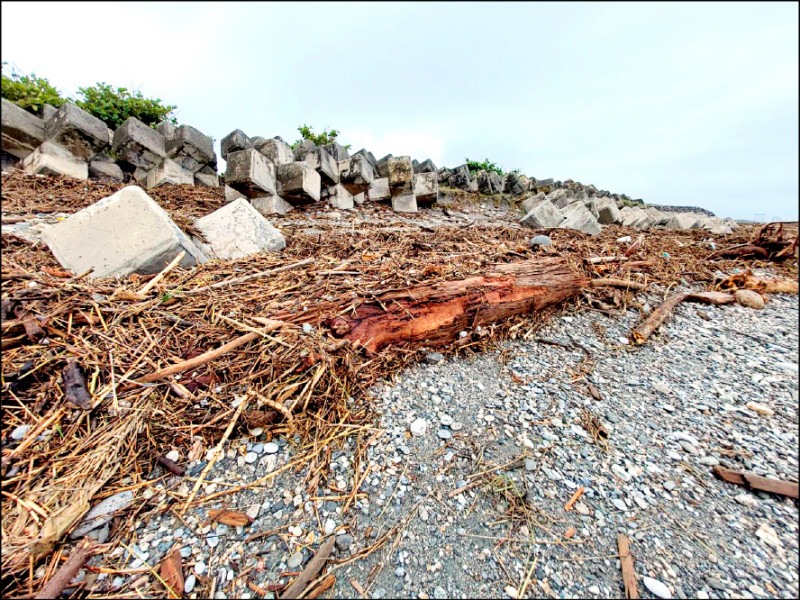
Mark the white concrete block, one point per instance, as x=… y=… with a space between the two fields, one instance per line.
x=168 y=171
x=404 y=203
x=50 y=159
x=426 y=187
x=128 y=232
x=379 y=190
x=271 y=205
x=237 y=230
x=338 y=197
x=298 y=182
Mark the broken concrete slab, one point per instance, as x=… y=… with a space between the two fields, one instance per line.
x=22 y=132
x=379 y=190
x=168 y=171
x=382 y=168
x=542 y=214
x=426 y=187
x=190 y=148
x=401 y=175
x=103 y=166
x=138 y=144
x=271 y=205
x=250 y=173
x=128 y=232
x=356 y=174
x=338 y=196
x=303 y=148
x=404 y=203
x=206 y=180
x=233 y=142
x=335 y=151
x=607 y=211
x=369 y=157
x=77 y=131
x=578 y=217
x=51 y=159
x=237 y=230
x=231 y=194
x=298 y=182
x=276 y=151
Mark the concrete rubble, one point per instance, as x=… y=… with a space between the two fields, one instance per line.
x=298 y=182
x=125 y=233
x=22 y=132
x=250 y=173
x=138 y=144
x=169 y=171
x=78 y=132
x=237 y=230
x=189 y=148
x=51 y=159
x=542 y=214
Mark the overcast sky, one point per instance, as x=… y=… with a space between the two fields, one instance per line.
x=687 y=104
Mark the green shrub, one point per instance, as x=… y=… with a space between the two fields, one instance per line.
x=328 y=136
x=29 y=91
x=475 y=166
x=113 y=107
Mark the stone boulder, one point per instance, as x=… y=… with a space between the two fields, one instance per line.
x=52 y=159
x=190 y=148
x=250 y=173
x=543 y=214
x=233 y=142
x=426 y=187
x=276 y=151
x=578 y=217
x=237 y=230
x=22 y=132
x=139 y=145
x=128 y=232
x=78 y=132
x=168 y=171
x=298 y=182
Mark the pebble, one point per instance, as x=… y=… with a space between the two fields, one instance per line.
x=444 y=434
x=19 y=433
x=250 y=457
x=295 y=560
x=669 y=485
x=199 y=567
x=439 y=592
x=418 y=427
x=457 y=426
x=709 y=461
x=541 y=240
x=434 y=358
x=656 y=587
x=761 y=409
x=173 y=455
x=270 y=448
x=330 y=526
x=688 y=447
x=749 y=298
x=619 y=504
x=594 y=589
x=189 y=584
x=530 y=464
x=511 y=591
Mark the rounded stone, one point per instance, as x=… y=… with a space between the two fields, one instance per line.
x=749 y=298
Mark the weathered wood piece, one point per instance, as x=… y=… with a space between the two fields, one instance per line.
x=628 y=574
x=656 y=318
x=312 y=568
x=758 y=482
x=436 y=313
x=66 y=573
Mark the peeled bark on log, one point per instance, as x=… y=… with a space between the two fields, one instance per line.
x=436 y=313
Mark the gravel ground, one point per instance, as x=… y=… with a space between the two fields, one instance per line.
x=671 y=410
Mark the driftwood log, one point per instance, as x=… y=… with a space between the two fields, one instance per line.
x=436 y=313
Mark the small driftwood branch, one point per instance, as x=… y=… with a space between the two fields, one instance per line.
x=238 y=280
x=82 y=552
x=628 y=574
x=312 y=568
x=758 y=482
x=150 y=284
x=617 y=283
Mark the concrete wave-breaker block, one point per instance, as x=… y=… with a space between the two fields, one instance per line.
x=543 y=214
x=607 y=211
x=22 y=132
x=298 y=182
x=382 y=166
x=338 y=197
x=250 y=173
x=126 y=233
x=530 y=203
x=404 y=203
x=401 y=175
x=356 y=174
x=168 y=171
x=233 y=142
x=103 y=166
x=379 y=190
x=336 y=151
x=276 y=151
x=360 y=198
x=190 y=148
x=51 y=159
x=426 y=166
x=138 y=144
x=578 y=217
x=77 y=131
x=231 y=194
x=271 y=205
x=322 y=162
x=683 y=221
x=426 y=187
x=237 y=230
x=369 y=157
x=206 y=180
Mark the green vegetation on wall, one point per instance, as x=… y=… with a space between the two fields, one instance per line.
x=328 y=136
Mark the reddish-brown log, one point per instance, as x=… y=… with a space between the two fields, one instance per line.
x=436 y=313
